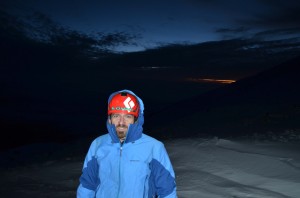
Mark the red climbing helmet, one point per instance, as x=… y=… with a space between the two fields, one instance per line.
x=124 y=102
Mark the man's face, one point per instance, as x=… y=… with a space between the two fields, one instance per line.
x=121 y=121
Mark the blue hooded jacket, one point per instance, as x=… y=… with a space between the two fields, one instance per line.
x=138 y=168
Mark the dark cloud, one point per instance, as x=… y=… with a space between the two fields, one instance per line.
x=276 y=14
x=286 y=17
x=277 y=33
x=232 y=30
x=263 y=19
x=147 y=23
x=41 y=28
x=228 y=33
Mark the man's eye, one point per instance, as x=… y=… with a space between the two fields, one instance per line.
x=129 y=116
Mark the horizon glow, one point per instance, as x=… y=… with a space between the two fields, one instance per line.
x=211 y=80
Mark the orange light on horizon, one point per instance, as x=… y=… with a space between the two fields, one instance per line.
x=211 y=80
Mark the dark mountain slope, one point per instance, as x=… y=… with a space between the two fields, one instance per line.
x=268 y=101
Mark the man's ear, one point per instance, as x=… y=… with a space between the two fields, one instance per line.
x=109 y=120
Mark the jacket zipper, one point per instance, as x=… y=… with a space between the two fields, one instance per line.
x=121 y=149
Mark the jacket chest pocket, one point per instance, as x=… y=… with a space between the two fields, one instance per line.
x=137 y=168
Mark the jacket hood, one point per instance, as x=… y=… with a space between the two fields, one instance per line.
x=135 y=130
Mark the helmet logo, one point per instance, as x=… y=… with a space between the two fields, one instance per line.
x=123 y=104
x=128 y=103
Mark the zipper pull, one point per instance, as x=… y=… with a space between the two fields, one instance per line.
x=121 y=148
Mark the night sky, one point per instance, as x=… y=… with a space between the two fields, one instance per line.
x=61 y=60
x=154 y=23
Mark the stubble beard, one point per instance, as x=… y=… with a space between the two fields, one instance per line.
x=121 y=132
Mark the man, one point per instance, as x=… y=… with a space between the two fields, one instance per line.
x=126 y=163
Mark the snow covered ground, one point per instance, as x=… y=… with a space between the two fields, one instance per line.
x=223 y=168
x=208 y=168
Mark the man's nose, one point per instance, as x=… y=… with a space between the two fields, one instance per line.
x=121 y=120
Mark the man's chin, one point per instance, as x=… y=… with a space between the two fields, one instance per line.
x=121 y=134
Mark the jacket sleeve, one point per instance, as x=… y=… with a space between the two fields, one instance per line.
x=83 y=192
x=89 y=179
x=162 y=173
